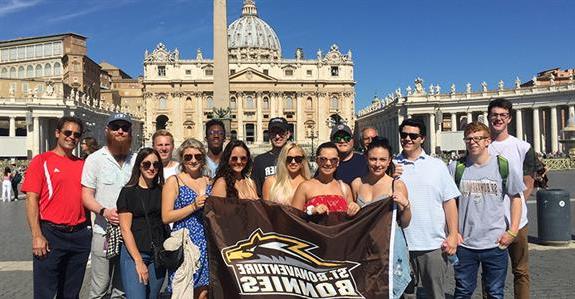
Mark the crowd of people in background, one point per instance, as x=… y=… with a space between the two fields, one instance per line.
x=469 y=213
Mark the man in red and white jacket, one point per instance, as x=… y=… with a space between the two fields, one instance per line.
x=60 y=237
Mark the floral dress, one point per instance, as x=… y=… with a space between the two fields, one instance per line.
x=195 y=225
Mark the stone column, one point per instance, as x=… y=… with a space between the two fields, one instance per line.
x=12 y=128
x=280 y=102
x=221 y=66
x=259 y=119
x=519 y=124
x=469 y=117
x=554 y=130
x=240 y=115
x=178 y=127
x=321 y=116
x=571 y=112
x=273 y=104
x=536 y=132
x=453 y=122
x=199 y=117
x=485 y=119
x=432 y=132
x=36 y=136
x=300 y=113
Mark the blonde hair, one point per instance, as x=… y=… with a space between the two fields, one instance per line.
x=281 y=190
x=195 y=144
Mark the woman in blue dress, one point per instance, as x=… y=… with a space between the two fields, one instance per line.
x=183 y=199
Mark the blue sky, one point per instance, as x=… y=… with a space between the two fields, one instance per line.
x=393 y=42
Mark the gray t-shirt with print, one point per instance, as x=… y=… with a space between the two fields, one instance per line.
x=481 y=208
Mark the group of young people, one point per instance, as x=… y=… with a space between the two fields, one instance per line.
x=473 y=209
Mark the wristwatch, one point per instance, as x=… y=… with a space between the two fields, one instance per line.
x=102 y=211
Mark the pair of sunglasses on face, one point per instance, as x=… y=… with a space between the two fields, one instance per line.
x=341 y=138
x=147 y=164
x=197 y=157
x=126 y=127
x=69 y=133
x=297 y=159
x=412 y=136
x=242 y=159
x=323 y=160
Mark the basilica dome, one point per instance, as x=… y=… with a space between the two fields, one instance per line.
x=251 y=37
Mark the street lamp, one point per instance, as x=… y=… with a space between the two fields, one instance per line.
x=312 y=135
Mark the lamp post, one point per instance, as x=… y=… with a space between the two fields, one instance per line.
x=312 y=135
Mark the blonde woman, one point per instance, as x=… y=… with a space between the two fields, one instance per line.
x=183 y=199
x=292 y=169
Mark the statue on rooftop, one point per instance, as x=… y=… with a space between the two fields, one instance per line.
x=452 y=88
x=468 y=87
x=517 y=82
x=484 y=86
x=500 y=85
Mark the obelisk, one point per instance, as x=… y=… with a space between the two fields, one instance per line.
x=221 y=67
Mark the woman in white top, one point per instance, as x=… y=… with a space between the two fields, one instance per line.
x=7 y=185
x=292 y=169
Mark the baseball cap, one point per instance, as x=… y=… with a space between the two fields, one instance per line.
x=340 y=128
x=278 y=122
x=119 y=116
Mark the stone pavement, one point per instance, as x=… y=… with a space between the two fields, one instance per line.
x=552 y=268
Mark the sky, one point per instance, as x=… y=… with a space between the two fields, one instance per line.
x=393 y=42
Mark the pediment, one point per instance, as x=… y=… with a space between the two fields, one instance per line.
x=250 y=74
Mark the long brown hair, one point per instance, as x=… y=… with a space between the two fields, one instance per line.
x=158 y=180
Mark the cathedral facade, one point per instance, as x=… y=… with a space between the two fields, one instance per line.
x=312 y=94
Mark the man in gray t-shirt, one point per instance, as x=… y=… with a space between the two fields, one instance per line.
x=483 y=227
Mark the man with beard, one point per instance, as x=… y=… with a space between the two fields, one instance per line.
x=106 y=171
x=265 y=164
x=60 y=237
x=352 y=165
x=215 y=137
x=163 y=143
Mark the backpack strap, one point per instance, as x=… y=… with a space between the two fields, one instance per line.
x=503 y=171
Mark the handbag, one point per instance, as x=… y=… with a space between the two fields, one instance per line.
x=113 y=241
x=166 y=259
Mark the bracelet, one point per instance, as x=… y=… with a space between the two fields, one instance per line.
x=514 y=235
x=309 y=210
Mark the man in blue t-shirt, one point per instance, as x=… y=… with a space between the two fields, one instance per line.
x=351 y=164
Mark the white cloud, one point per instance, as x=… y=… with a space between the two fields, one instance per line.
x=11 y=6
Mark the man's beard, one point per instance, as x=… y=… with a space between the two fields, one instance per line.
x=121 y=148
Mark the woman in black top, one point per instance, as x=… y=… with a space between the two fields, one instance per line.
x=139 y=207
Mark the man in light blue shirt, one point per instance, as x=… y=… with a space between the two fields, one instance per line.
x=105 y=172
x=432 y=194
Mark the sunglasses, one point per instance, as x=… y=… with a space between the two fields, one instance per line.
x=475 y=139
x=69 y=133
x=297 y=159
x=147 y=164
x=412 y=136
x=322 y=160
x=242 y=159
x=198 y=157
x=216 y=133
x=343 y=138
x=117 y=126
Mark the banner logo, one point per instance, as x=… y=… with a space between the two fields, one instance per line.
x=275 y=264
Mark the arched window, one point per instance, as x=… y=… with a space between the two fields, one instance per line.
x=233 y=103
x=334 y=103
x=57 y=69
x=188 y=103
x=250 y=103
x=266 y=104
x=309 y=104
x=21 y=72
x=12 y=72
x=4 y=73
x=29 y=71
x=47 y=69
x=289 y=103
x=163 y=103
x=210 y=103
x=38 y=71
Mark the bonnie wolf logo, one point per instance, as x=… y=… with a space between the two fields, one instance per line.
x=275 y=264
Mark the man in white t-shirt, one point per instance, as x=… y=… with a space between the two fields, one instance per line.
x=432 y=194
x=521 y=157
x=163 y=143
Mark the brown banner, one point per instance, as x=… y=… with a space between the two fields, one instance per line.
x=257 y=248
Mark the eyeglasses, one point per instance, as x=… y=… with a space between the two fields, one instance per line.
x=116 y=126
x=322 y=160
x=147 y=164
x=412 y=136
x=69 y=133
x=475 y=139
x=504 y=115
x=197 y=157
x=216 y=133
x=341 y=138
x=297 y=159
x=242 y=159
